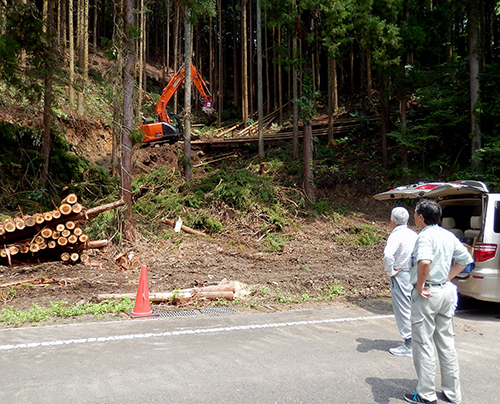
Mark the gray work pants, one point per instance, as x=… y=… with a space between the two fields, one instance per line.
x=401 y=302
x=432 y=324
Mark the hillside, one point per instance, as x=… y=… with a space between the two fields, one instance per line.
x=286 y=257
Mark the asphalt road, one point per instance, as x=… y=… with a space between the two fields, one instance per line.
x=335 y=355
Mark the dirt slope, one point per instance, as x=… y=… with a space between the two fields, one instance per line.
x=319 y=257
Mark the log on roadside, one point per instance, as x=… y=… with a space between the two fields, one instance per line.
x=225 y=291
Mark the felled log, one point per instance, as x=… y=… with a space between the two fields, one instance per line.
x=46 y=232
x=9 y=225
x=19 y=223
x=38 y=218
x=187 y=229
x=77 y=208
x=29 y=221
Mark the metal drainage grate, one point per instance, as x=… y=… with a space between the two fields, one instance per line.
x=172 y=313
x=218 y=310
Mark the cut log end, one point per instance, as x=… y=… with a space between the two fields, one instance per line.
x=70 y=199
x=77 y=208
x=65 y=209
x=47 y=216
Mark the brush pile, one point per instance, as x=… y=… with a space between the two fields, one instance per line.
x=58 y=234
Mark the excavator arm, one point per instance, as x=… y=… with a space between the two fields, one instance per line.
x=173 y=85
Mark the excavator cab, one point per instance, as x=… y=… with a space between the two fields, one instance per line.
x=162 y=132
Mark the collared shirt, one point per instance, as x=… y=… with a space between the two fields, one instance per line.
x=398 y=249
x=441 y=247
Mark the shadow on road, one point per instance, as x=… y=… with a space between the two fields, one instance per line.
x=384 y=390
x=367 y=345
x=482 y=311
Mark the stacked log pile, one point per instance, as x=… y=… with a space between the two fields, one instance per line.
x=58 y=234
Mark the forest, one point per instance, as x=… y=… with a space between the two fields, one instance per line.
x=421 y=77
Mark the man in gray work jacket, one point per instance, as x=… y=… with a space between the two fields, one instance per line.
x=397 y=253
x=432 y=305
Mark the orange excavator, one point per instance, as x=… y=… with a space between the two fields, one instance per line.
x=168 y=128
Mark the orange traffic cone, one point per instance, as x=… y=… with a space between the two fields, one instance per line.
x=142 y=307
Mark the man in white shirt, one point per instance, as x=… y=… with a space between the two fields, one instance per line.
x=397 y=262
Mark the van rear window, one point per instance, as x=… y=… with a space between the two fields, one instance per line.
x=496 y=225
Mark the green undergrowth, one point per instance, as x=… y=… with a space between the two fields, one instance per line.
x=63 y=310
x=263 y=296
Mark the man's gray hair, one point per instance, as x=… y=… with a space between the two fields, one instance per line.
x=400 y=215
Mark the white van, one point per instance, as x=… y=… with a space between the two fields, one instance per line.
x=473 y=215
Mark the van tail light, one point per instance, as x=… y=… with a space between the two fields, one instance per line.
x=484 y=252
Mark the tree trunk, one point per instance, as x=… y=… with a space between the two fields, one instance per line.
x=47 y=109
x=384 y=116
x=244 y=63
x=142 y=58
x=81 y=49
x=280 y=82
x=260 y=89
x=404 y=148
x=188 y=80
x=332 y=97
x=71 y=55
x=268 y=83
x=117 y=89
x=474 y=83
x=295 y=90
x=250 y=59
x=236 y=80
x=94 y=35
x=308 y=159
x=220 y=80
x=128 y=119
x=176 y=49
x=369 y=80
